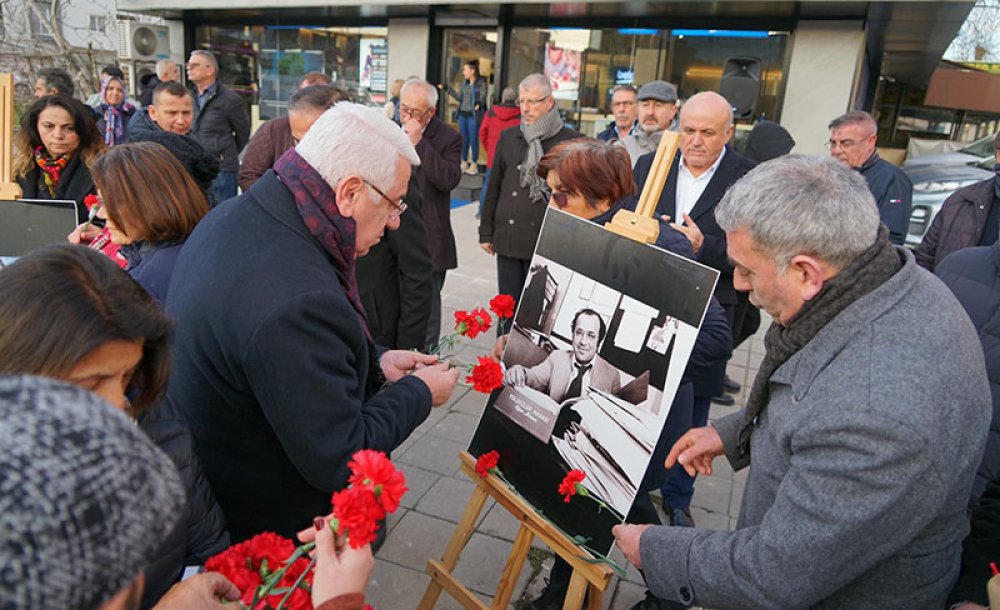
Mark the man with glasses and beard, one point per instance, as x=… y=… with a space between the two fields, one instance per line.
x=514 y=206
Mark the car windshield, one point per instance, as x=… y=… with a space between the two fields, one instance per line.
x=980 y=148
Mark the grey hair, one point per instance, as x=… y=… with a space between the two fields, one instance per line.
x=209 y=57
x=162 y=66
x=536 y=81
x=430 y=91
x=800 y=204
x=508 y=95
x=627 y=88
x=354 y=140
x=854 y=117
x=316 y=98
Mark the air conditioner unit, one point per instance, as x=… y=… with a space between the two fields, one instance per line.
x=143 y=41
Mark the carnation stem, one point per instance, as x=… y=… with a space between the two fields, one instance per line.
x=296 y=584
x=265 y=589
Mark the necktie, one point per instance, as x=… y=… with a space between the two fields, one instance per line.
x=576 y=386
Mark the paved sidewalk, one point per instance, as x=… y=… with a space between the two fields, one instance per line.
x=439 y=492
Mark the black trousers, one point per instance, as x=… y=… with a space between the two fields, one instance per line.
x=511 y=275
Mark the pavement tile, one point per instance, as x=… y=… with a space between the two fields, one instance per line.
x=456 y=426
x=433 y=453
x=446 y=499
x=625 y=596
x=482 y=565
x=415 y=539
x=710 y=519
x=712 y=494
x=473 y=403
x=418 y=481
x=393 y=586
x=500 y=524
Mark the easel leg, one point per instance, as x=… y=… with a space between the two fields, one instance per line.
x=522 y=544
x=594 y=598
x=577 y=591
x=463 y=531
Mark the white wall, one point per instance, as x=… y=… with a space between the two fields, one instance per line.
x=825 y=61
x=409 y=41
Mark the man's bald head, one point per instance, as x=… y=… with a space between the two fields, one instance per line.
x=706 y=125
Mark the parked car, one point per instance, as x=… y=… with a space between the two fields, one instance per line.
x=971 y=154
x=932 y=184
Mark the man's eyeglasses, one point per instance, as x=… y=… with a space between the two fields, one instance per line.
x=842 y=144
x=414 y=113
x=398 y=206
x=533 y=103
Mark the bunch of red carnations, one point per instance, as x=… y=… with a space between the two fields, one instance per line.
x=486 y=375
x=272 y=574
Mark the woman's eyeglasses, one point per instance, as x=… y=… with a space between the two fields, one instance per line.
x=560 y=198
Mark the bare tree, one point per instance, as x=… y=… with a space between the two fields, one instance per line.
x=57 y=33
x=979 y=38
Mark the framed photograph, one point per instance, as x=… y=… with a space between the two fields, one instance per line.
x=600 y=340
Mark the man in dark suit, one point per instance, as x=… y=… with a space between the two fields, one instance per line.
x=440 y=150
x=396 y=280
x=698 y=179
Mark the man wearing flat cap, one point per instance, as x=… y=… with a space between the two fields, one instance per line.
x=657 y=109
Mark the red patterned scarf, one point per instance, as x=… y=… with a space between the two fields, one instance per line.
x=51 y=167
x=317 y=205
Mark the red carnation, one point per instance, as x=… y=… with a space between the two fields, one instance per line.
x=373 y=469
x=486 y=463
x=486 y=376
x=570 y=486
x=470 y=324
x=90 y=201
x=358 y=512
x=503 y=306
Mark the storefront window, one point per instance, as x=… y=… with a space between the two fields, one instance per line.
x=585 y=65
x=265 y=63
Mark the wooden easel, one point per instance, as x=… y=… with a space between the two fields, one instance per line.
x=9 y=189
x=589 y=580
x=591 y=577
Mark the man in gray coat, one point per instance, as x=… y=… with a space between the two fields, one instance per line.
x=865 y=424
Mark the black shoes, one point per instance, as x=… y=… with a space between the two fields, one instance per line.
x=730 y=385
x=725 y=400
x=679 y=517
x=554 y=594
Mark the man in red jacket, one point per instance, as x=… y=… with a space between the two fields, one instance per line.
x=505 y=114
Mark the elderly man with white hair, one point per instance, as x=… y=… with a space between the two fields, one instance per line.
x=865 y=423
x=440 y=150
x=274 y=366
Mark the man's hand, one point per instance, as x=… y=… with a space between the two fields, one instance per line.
x=440 y=379
x=200 y=592
x=627 y=538
x=696 y=450
x=516 y=375
x=414 y=129
x=398 y=363
x=339 y=569
x=498 y=347
x=690 y=230
x=487 y=248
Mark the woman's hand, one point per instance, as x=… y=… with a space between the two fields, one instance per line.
x=339 y=569
x=83 y=234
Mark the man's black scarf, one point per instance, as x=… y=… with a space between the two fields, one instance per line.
x=866 y=273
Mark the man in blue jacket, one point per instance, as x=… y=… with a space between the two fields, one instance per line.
x=852 y=141
x=274 y=366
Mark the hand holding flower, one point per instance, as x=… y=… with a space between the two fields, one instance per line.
x=398 y=363
x=338 y=571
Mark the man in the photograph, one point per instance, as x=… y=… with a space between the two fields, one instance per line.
x=172 y=110
x=625 y=106
x=567 y=374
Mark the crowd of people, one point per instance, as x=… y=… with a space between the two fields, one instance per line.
x=260 y=339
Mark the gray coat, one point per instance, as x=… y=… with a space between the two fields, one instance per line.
x=862 y=466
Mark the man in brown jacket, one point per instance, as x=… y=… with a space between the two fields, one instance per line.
x=277 y=135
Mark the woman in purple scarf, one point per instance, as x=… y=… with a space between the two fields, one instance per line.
x=114 y=110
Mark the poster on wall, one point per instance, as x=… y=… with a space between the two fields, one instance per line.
x=374 y=65
x=600 y=340
x=562 y=67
